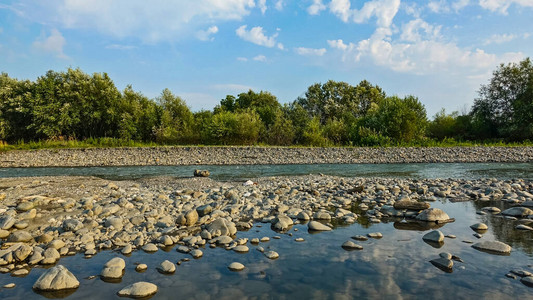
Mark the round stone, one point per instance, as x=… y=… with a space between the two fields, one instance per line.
x=138 y=290
x=236 y=266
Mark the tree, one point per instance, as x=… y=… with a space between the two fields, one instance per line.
x=504 y=108
x=240 y=128
x=176 y=119
x=443 y=125
x=15 y=108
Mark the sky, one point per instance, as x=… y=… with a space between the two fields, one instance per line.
x=441 y=51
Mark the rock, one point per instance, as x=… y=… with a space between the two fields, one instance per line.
x=55 y=279
x=282 y=223
x=479 y=227
x=204 y=210
x=20 y=272
x=241 y=249
x=140 y=289
x=183 y=249
x=9 y=286
x=7 y=222
x=523 y=227
x=20 y=236
x=322 y=215
x=443 y=263
x=302 y=216
x=141 y=267
x=72 y=225
x=299 y=239
x=236 y=266
x=519 y=212
x=113 y=269
x=493 y=247
x=56 y=244
x=191 y=217
x=22 y=252
x=220 y=227
x=4 y=233
x=201 y=173
x=271 y=254
x=446 y=255
x=127 y=249
x=528 y=281
x=167 y=267
x=116 y=222
x=45 y=238
x=433 y=215
x=375 y=235
x=410 y=204
x=435 y=236
x=150 y=247
x=360 y=238
x=50 y=256
x=317 y=226
x=491 y=209
x=521 y=273
x=25 y=206
x=196 y=253
x=223 y=240
x=349 y=245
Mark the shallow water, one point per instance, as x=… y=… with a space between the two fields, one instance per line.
x=394 y=267
x=244 y=172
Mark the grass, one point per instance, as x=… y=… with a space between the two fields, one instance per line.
x=118 y=143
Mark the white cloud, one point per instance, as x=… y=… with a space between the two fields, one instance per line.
x=501 y=6
x=316 y=7
x=310 y=51
x=460 y=4
x=205 y=35
x=279 y=5
x=120 y=47
x=257 y=36
x=413 y=30
x=161 y=20
x=262 y=6
x=504 y=38
x=261 y=58
x=338 y=44
x=53 y=44
x=243 y=59
x=438 y=6
x=383 y=10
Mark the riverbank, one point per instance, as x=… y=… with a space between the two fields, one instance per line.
x=172 y=156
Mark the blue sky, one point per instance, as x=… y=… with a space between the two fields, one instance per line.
x=439 y=50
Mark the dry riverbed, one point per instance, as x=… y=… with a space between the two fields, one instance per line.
x=45 y=218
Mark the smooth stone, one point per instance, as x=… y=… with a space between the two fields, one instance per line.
x=519 y=212
x=56 y=244
x=282 y=223
x=150 y=247
x=493 y=247
x=446 y=255
x=349 y=245
x=410 y=204
x=9 y=286
x=241 y=249
x=191 y=217
x=4 y=233
x=20 y=272
x=521 y=273
x=221 y=226
x=56 y=278
x=265 y=239
x=236 y=266
x=271 y=254
x=433 y=215
x=375 y=235
x=116 y=222
x=523 y=227
x=140 y=289
x=479 y=226
x=183 y=249
x=451 y=236
x=299 y=240
x=141 y=267
x=360 y=238
x=114 y=268
x=302 y=216
x=72 y=225
x=50 y=256
x=167 y=267
x=196 y=253
x=435 y=236
x=20 y=236
x=317 y=226
x=7 y=222
x=528 y=280
x=443 y=263
x=127 y=249
x=22 y=252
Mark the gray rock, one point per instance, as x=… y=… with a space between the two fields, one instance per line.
x=55 y=279
x=20 y=236
x=282 y=223
x=433 y=215
x=191 y=217
x=236 y=266
x=479 y=227
x=4 y=233
x=443 y=263
x=116 y=222
x=519 y=212
x=204 y=210
x=435 y=236
x=375 y=235
x=493 y=247
x=220 y=227
x=140 y=289
x=56 y=244
x=410 y=204
x=22 y=252
x=528 y=280
x=141 y=267
x=196 y=253
x=360 y=237
x=113 y=269
x=50 y=256
x=302 y=216
x=271 y=254
x=349 y=245
x=150 y=247
x=183 y=249
x=317 y=226
x=167 y=267
x=72 y=225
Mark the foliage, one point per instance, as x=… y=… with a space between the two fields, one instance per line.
x=239 y=128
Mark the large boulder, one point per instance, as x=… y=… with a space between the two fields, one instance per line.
x=113 y=269
x=55 y=279
x=433 y=215
x=138 y=290
x=220 y=227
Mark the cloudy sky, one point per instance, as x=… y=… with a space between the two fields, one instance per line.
x=438 y=50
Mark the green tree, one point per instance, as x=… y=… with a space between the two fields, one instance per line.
x=443 y=125
x=239 y=128
x=176 y=119
x=15 y=108
x=504 y=108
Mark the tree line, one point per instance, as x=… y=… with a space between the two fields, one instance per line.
x=76 y=105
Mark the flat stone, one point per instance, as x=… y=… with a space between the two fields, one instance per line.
x=528 y=280
x=519 y=212
x=443 y=263
x=138 y=290
x=523 y=227
x=20 y=236
x=55 y=279
x=196 y=253
x=236 y=266
x=435 y=236
x=167 y=267
x=271 y=254
x=7 y=222
x=22 y=252
x=141 y=267
x=9 y=286
x=127 y=249
x=411 y=204
x=20 y=272
x=317 y=226
x=479 y=227
x=50 y=256
x=375 y=235
x=493 y=247
x=25 y=206
x=4 y=233
x=150 y=247
x=241 y=249
x=349 y=245
x=360 y=238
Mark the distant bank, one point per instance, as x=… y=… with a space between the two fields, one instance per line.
x=257 y=155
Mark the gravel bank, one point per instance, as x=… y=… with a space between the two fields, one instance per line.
x=257 y=156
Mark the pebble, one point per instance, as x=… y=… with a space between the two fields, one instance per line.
x=236 y=266
x=150 y=247
x=197 y=253
x=9 y=286
x=167 y=267
x=138 y=290
x=349 y=245
x=271 y=255
x=375 y=235
x=141 y=267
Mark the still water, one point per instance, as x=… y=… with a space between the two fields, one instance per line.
x=394 y=267
x=243 y=172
